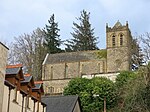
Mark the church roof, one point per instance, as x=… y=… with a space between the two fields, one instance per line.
x=71 y=57
x=60 y=103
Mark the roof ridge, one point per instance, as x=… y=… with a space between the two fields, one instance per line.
x=14 y=66
x=26 y=75
x=75 y=52
x=60 y=96
x=38 y=82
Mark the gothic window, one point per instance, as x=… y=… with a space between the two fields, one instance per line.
x=113 y=41
x=51 y=75
x=99 y=68
x=118 y=64
x=121 y=40
x=58 y=90
x=66 y=71
x=51 y=89
x=103 y=66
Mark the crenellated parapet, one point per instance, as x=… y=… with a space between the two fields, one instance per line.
x=117 y=27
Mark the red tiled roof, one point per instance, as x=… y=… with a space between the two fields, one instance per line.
x=14 y=66
x=27 y=75
x=38 y=82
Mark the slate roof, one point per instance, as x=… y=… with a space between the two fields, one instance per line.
x=37 y=86
x=71 y=57
x=12 y=70
x=60 y=103
x=26 y=79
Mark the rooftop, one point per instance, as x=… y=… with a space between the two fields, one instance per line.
x=71 y=57
x=59 y=103
x=12 y=70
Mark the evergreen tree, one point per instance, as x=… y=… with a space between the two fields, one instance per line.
x=83 y=35
x=52 y=41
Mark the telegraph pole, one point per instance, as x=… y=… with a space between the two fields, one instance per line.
x=104 y=104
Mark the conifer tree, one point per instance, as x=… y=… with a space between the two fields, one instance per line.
x=52 y=41
x=83 y=35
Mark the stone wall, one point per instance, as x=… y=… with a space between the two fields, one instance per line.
x=118 y=55
x=111 y=76
x=118 y=60
x=93 y=66
x=57 y=75
x=55 y=86
x=3 y=58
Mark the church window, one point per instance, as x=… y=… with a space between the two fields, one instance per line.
x=58 y=90
x=121 y=40
x=51 y=73
x=113 y=41
x=99 y=68
x=51 y=89
x=103 y=66
x=66 y=71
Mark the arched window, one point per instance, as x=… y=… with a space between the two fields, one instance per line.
x=66 y=71
x=121 y=40
x=51 y=75
x=113 y=41
x=50 y=89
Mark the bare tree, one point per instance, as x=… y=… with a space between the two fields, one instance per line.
x=137 y=54
x=28 y=50
x=145 y=39
x=145 y=43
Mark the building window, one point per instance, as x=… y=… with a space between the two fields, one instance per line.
x=103 y=66
x=99 y=68
x=82 y=68
x=66 y=71
x=51 y=72
x=121 y=40
x=113 y=41
x=58 y=90
x=51 y=89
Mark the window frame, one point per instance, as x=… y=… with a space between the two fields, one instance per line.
x=113 y=41
x=121 y=39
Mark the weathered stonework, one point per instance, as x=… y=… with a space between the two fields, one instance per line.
x=3 y=58
x=118 y=55
x=59 y=69
x=55 y=86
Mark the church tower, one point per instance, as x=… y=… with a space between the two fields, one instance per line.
x=118 y=40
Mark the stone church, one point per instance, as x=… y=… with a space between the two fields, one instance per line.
x=59 y=69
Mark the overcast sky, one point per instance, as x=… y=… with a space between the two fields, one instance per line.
x=23 y=16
